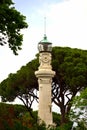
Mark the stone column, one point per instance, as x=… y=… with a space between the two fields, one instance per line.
x=45 y=75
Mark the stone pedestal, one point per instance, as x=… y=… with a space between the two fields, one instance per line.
x=45 y=75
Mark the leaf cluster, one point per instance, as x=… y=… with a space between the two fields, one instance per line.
x=20 y=84
x=79 y=110
x=11 y=22
x=70 y=66
x=81 y=100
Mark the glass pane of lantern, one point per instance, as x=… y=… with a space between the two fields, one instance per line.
x=49 y=47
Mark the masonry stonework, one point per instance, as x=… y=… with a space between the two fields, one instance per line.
x=45 y=75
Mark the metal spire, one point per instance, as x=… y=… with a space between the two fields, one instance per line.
x=45 y=37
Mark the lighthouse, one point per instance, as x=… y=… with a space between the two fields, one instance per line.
x=45 y=75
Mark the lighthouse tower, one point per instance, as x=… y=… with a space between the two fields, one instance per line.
x=45 y=75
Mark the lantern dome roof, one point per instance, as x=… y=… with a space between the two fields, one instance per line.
x=45 y=40
x=44 y=45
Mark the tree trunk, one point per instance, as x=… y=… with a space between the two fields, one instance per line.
x=64 y=118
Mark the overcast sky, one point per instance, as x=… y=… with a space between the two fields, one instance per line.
x=66 y=26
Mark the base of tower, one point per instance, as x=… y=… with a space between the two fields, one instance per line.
x=48 y=125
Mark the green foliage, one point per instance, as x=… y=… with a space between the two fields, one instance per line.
x=70 y=66
x=39 y=127
x=16 y=117
x=19 y=126
x=56 y=119
x=67 y=126
x=10 y=116
x=81 y=126
x=11 y=22
x=80 y=104
x=19 y=84
x=81 y=100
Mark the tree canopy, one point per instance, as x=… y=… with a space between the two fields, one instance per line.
x=11 y=22
x=21 y=85
x=70 y=66
x=71 y=74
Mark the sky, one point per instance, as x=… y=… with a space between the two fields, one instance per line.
x=66 y=25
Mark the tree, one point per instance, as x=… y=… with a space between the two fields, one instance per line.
x=11 y=22
x=21 y=85
x=70 y=66
x=81 y=100
x=79 y=109
x=14 y=117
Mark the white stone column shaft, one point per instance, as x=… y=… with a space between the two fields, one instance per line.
x=45 y=75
